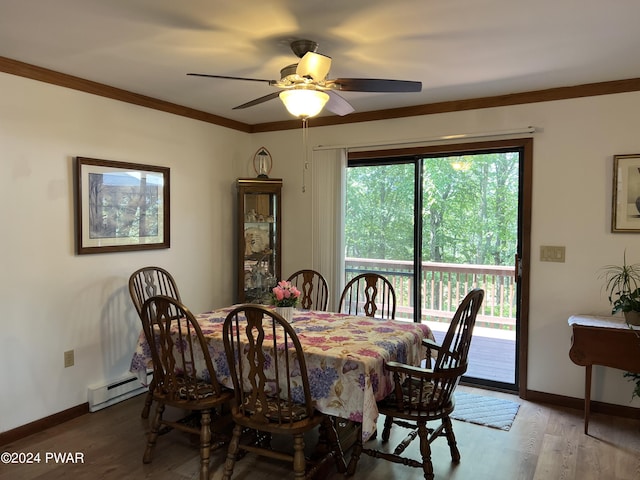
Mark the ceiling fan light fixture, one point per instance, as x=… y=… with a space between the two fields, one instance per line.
x=304 y=103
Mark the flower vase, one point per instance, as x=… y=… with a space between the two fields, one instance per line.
x=285 y=312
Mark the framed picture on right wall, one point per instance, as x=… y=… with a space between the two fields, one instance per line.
x=625 y=213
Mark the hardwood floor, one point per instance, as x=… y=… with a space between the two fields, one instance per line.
x=544 y=443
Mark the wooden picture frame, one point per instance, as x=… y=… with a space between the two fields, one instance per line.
x=112 y=214
x=625 y=212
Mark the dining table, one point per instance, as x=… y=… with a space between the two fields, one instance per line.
x=345 y=357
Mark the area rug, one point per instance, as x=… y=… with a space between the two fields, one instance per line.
x=488 y=411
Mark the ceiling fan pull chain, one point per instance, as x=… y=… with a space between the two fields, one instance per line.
x=305 y=164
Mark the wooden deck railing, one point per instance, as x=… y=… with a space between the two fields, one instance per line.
x=443 y=287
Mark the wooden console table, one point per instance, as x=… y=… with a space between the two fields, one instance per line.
x=606 y=341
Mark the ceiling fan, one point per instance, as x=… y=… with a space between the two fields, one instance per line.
x=305 y=88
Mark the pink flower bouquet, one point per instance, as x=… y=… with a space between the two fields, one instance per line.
x=285 y=295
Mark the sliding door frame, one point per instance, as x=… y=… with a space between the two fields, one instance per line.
x=523 y=252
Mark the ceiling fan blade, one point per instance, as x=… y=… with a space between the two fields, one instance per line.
x=257 y=101
x=270 y=82
x=374 y=85
x=314 y=65
x=338 y=104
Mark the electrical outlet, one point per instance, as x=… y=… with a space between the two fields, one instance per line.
x=68 y=359
x=551 y=254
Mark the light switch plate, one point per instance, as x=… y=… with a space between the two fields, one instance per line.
x=69 y=359
x=550 y=253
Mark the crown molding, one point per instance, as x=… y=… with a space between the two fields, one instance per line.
x=33 y=72
x=15 y=67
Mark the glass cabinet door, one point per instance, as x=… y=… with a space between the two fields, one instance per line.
x=258 y=238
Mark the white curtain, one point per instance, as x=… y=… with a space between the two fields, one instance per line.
x=328 y=169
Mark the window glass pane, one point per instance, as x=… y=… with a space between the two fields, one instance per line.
x=379 y=227
x=469 y=239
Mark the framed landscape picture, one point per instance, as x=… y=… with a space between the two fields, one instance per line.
x=625 y=214
x=120 y=206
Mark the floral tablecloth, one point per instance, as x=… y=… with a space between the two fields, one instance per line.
x=345 y=358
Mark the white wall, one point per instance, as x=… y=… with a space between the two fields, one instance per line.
x=54 y=300
x=572 y=178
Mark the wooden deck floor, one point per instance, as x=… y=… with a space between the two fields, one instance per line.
x=492 y=355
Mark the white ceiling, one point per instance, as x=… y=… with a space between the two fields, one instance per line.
x=458 y=49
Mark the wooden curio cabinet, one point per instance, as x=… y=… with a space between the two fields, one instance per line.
x=259 y=231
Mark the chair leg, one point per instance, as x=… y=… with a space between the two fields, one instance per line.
x=451 y=439
x=147 y=405
x=386 y=431
x=205 y=443
x=153 y=433
x=425 y=450
x=232 y=453
x=299 y=461
x=148 y=401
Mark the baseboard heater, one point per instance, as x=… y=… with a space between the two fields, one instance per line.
x=102 y=396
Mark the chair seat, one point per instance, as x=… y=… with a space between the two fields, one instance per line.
x=416 y=403
x=414 y=410
x=190 y=392
x=199 y=391
x=277 y=410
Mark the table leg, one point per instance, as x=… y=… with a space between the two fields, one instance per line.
x=587 y=397
x=355 y=454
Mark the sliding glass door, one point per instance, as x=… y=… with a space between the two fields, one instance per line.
x=464 y=236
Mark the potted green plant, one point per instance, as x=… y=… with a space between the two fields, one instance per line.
x=622 y=283
x=634 y=377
